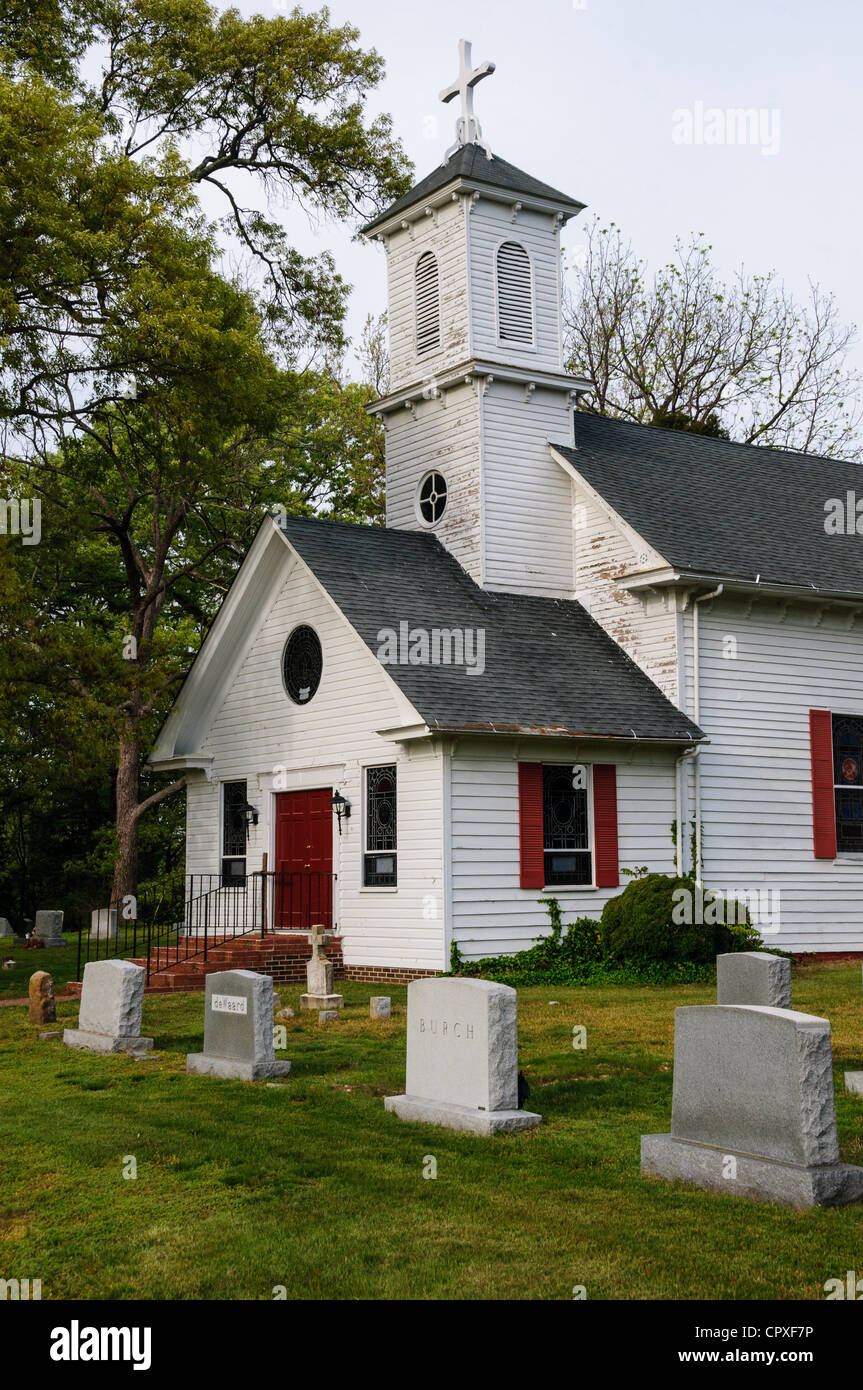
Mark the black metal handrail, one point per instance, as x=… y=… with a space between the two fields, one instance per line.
x=184 y=918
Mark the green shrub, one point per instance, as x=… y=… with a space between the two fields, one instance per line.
x=642 y=923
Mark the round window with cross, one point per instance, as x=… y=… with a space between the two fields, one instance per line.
x=431 y=498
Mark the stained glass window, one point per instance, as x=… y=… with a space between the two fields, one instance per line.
x=379 y=866
x=234 y=833
x=565 y=825
x=848 y=781
x=302 y=664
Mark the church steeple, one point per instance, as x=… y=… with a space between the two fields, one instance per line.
x=476 y=358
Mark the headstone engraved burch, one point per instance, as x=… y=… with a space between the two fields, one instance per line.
x=753 y=977
x=753 y=1110
x=462 y=1057
x=238 y=1029
x=319 y=976
x=49 y=928
x=112 y=1000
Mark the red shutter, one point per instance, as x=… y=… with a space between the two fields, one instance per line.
x=823 y=799
x=605 y=824
x=531 y=859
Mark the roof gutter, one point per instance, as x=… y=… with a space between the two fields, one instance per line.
x=657 y=579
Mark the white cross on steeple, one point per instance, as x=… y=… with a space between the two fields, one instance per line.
x=468 y=130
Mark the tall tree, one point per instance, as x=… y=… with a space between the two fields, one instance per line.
x=150 y=398
x=684 y=349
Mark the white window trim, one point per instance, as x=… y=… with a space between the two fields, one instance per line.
x=508 y=344
x=428 y=525
x=220 y=847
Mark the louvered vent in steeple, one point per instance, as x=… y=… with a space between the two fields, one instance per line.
x=427 y=303
x=514 y=294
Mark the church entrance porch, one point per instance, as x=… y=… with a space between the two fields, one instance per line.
x=303 y=887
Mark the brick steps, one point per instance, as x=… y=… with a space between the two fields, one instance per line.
x=280 y=954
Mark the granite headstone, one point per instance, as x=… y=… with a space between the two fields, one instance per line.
x=238 y=1029
x=753 y=1111
x=49 y=928
x=753 y=977
x=112 y=1001
x=462 y=1057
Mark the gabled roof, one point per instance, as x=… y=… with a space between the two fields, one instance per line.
x=548 y=665
x=472 y=163
x=713 y=507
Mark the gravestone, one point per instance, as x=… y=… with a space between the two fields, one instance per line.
x=319 y=976
x=112 y=1000
x=103 y=924
x=6 y=927
x=49 y=928
x=753 y=977
x=380 y=1006
x=238 y=1029
x=753 y=1110
x=462 y=1057
x=41 y=991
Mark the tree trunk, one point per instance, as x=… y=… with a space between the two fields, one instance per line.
x=126 y=865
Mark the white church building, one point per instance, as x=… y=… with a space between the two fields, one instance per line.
x=573 y=636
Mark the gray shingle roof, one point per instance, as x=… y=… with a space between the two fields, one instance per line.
x=548 y=664
x=724 y=509
x=471 y=162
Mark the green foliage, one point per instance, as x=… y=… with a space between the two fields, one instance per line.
x=647 y=922
x=170 y=373
x=591 y=952
x=456 y=960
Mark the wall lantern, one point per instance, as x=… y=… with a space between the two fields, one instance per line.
x=342 y=807
x=251 y=815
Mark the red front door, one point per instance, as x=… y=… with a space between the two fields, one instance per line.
x=304 y=859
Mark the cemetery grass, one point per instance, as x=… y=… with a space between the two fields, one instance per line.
x=60 y=962
x=311 y=1185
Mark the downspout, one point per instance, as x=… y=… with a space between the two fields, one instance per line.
x=696 y=716
x=678 y=804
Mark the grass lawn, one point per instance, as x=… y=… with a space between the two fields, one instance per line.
x=313 y=1186
x=60 y=962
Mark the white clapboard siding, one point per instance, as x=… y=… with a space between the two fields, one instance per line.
x=443 y=234
x=332 y=739
x=528 y=497
x=491 y=913
x=441 y=434
x=756 y=777
x=490 y=225
x=645 y=627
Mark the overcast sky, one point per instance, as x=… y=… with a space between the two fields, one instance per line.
x=585 y=99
